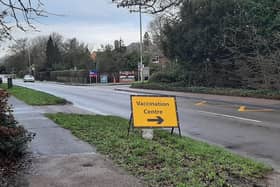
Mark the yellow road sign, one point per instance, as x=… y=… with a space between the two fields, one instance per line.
x=154 y=111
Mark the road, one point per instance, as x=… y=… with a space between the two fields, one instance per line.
x=254 y=132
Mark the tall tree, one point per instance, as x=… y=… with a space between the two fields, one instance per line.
x=53 y=55
x=147 y=41
x=77 y=55
x=17 y=61
x=226 y=42
x=21 y=12
x=38 y=52
x=49 y=54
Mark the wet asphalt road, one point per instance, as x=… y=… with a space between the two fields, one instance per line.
x=255 y=133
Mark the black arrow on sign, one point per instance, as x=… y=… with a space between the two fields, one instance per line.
x=159 y=120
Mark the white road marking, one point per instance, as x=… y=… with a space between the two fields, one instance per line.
x=229 y=116
x=130 y=93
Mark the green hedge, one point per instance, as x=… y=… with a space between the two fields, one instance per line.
x=78 y=76
x=179 y=86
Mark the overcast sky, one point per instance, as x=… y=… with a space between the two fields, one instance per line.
x=94 y=22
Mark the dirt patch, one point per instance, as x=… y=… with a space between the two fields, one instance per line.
x=87 y=170
x=274 y=179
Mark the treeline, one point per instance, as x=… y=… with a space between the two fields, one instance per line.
x=53 y=58
x=47 y=53
x=224 y=43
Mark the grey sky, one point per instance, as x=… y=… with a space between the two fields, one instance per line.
x=94 y=22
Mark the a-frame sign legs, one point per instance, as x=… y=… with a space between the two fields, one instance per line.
x=172 y=131
x=130 y=123
x=179 y=128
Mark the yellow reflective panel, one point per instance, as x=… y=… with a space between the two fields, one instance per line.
x=154 y=111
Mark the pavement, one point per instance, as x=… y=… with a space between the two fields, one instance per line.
x=59 y=159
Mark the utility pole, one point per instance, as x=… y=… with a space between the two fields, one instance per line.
x=29 y=65
x=141 y=42
x=96 y=77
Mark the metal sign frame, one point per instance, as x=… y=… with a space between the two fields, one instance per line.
x=131 y=120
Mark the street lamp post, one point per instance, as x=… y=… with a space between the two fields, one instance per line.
x=135 y=3
x=141 y=43
x=96 y=77
x=29 y=64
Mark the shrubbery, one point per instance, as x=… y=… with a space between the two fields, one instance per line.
x=164 y=77
x=13 y=138
x=73 y=76
x=78 y=76
x=226 y=43
x=181 y=87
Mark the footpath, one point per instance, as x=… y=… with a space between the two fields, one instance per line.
x=61 y=160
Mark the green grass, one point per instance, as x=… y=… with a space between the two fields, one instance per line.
x=167 y=160
x=33 y=97
x=267 y=94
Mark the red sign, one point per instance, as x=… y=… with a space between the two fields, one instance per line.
x=93 y=74
x=127 y=76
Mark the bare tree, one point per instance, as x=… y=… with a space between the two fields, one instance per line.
x=149 y=6
x=20 y=14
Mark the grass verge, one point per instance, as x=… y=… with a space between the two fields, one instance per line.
x=33 y=97
x=266 y=94
x=167 y=160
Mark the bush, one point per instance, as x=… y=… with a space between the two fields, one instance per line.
x=163 y=77
x=13 y=138
x=181 y=87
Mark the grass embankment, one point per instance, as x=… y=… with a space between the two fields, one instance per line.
x=266 y=94
x=33 y=97
x=167 y=160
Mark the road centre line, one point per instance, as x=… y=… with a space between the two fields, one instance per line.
x=130 y=93
x=244 y=109
x=229 y=116
x=201 y=103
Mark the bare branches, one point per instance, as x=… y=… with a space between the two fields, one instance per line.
x=149 y=6
x=18 y=13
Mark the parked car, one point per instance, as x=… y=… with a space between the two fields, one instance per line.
x=28 y=78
